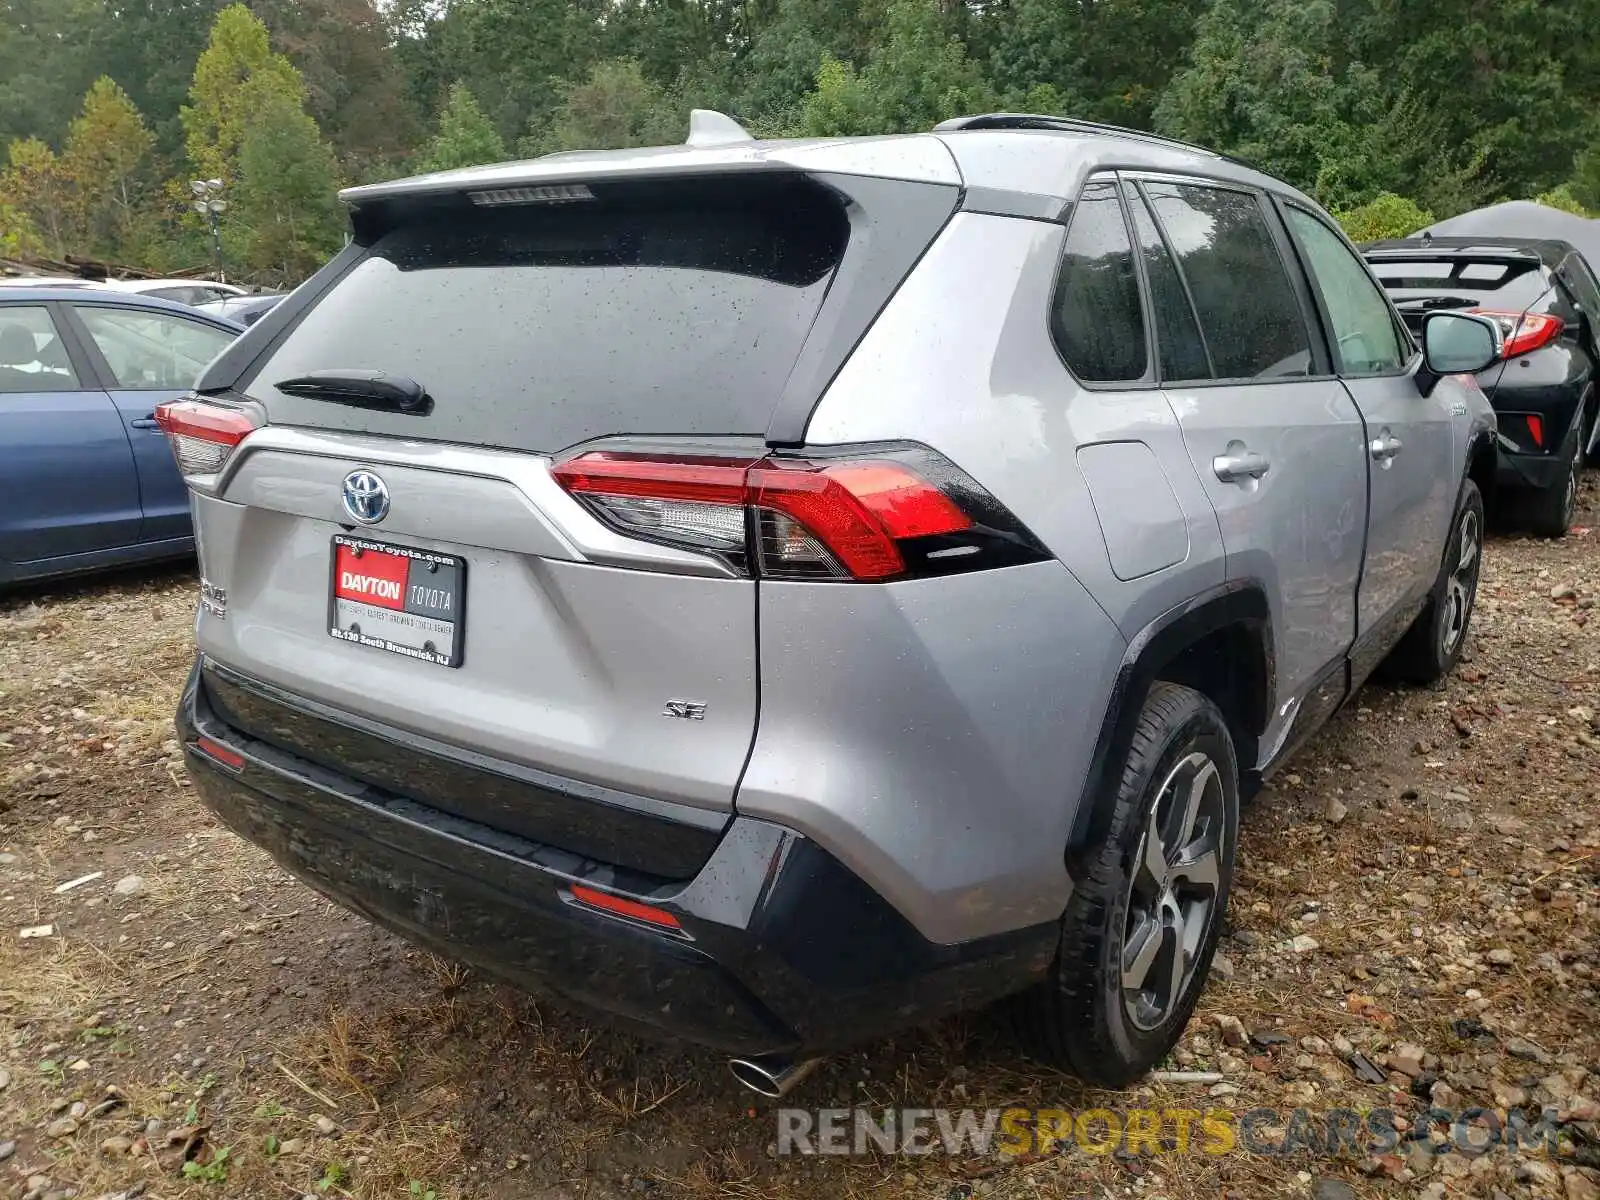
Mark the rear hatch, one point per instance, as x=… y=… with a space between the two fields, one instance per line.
x=395 y=544
x=1506 y=286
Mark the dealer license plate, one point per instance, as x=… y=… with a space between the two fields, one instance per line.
x=393 y=598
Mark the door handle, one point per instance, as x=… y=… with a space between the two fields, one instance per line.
x=149 y=422
x=1238 y=465
x=1384 y=447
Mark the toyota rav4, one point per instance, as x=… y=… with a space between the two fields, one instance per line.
x=779 y=592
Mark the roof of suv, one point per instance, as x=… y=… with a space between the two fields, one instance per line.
x=1040 y=156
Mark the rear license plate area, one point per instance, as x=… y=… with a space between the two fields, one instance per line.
x=393 y=598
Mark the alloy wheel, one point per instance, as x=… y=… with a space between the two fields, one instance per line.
x=1173 y=889
x=1462 y=587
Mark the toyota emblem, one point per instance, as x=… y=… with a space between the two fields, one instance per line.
x=366 y=497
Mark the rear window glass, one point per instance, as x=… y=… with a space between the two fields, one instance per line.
x=538 y=326
x=1499 y=282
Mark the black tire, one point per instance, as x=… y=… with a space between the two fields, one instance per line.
x=1432 y=646
x=1082 y=1019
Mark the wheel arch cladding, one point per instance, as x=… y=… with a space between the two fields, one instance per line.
x=1220 y=644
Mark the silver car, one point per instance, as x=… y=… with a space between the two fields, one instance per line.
x=779 y=592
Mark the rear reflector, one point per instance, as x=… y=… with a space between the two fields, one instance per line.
x=623 y=907
x=202 y=434
x=1535 y=429
x=220 y=754
x=873 y=517
x=1523 y=331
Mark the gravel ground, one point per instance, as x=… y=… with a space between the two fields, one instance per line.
x=1415 y=922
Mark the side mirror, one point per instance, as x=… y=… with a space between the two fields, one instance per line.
x=1456 y=343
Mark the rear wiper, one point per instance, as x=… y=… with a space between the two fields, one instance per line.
x=363 y=389
x=1429 y=303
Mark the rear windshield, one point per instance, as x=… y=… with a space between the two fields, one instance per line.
x=1501 y=283
x=536 y=326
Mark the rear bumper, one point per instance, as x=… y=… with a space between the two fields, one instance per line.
x=1529 y=471
x=781 y=950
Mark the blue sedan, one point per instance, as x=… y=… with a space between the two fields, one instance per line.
x=86 y=477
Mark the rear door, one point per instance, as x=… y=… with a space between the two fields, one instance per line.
x=663 y=318
x=67 y=479
x=1415 y=476
x=1274 y=438
x=147 y=357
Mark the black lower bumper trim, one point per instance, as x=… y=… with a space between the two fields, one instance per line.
x=818 y=962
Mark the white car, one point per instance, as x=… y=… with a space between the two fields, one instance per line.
x=184 y=291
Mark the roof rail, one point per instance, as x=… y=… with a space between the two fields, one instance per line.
x=1076 y=125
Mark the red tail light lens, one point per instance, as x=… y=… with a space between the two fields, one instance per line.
x=202 y=434
x=874 y=517
x=856 y=512
x=1523 y=331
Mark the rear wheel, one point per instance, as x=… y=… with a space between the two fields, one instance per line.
x=1433 y=644
x=1549 y=511
x=1138 y=936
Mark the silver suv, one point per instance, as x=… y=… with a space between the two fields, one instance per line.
x=777 y=592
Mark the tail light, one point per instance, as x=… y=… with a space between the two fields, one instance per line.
x=1523 y=331
x=874 y=516
x=203 y=434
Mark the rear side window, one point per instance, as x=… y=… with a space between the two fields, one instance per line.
x=152 y=350
x=32 y=358
x=675 y=309
x=1248 y=310
x=1096 y=320
x=1183 y=351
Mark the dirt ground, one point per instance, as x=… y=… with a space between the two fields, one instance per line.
x=1416 y=920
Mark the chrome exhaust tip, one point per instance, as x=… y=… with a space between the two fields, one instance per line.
x=771 y=1076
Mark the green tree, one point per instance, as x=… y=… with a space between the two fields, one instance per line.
x=49 y=51
x=355 y=88
x=1385 y=216
x=465 y=137
x=35 y=184
x=221 y=96
x=16 y=231
x=1586 y=178
x=1107 y=60
x=106 y=159
x=920 y=75
x=1563 y=199
x=613 y=108
x=1513 y=84
x=286 y=197
x=150 y=47
x=787 y=41
x=1266 y=82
